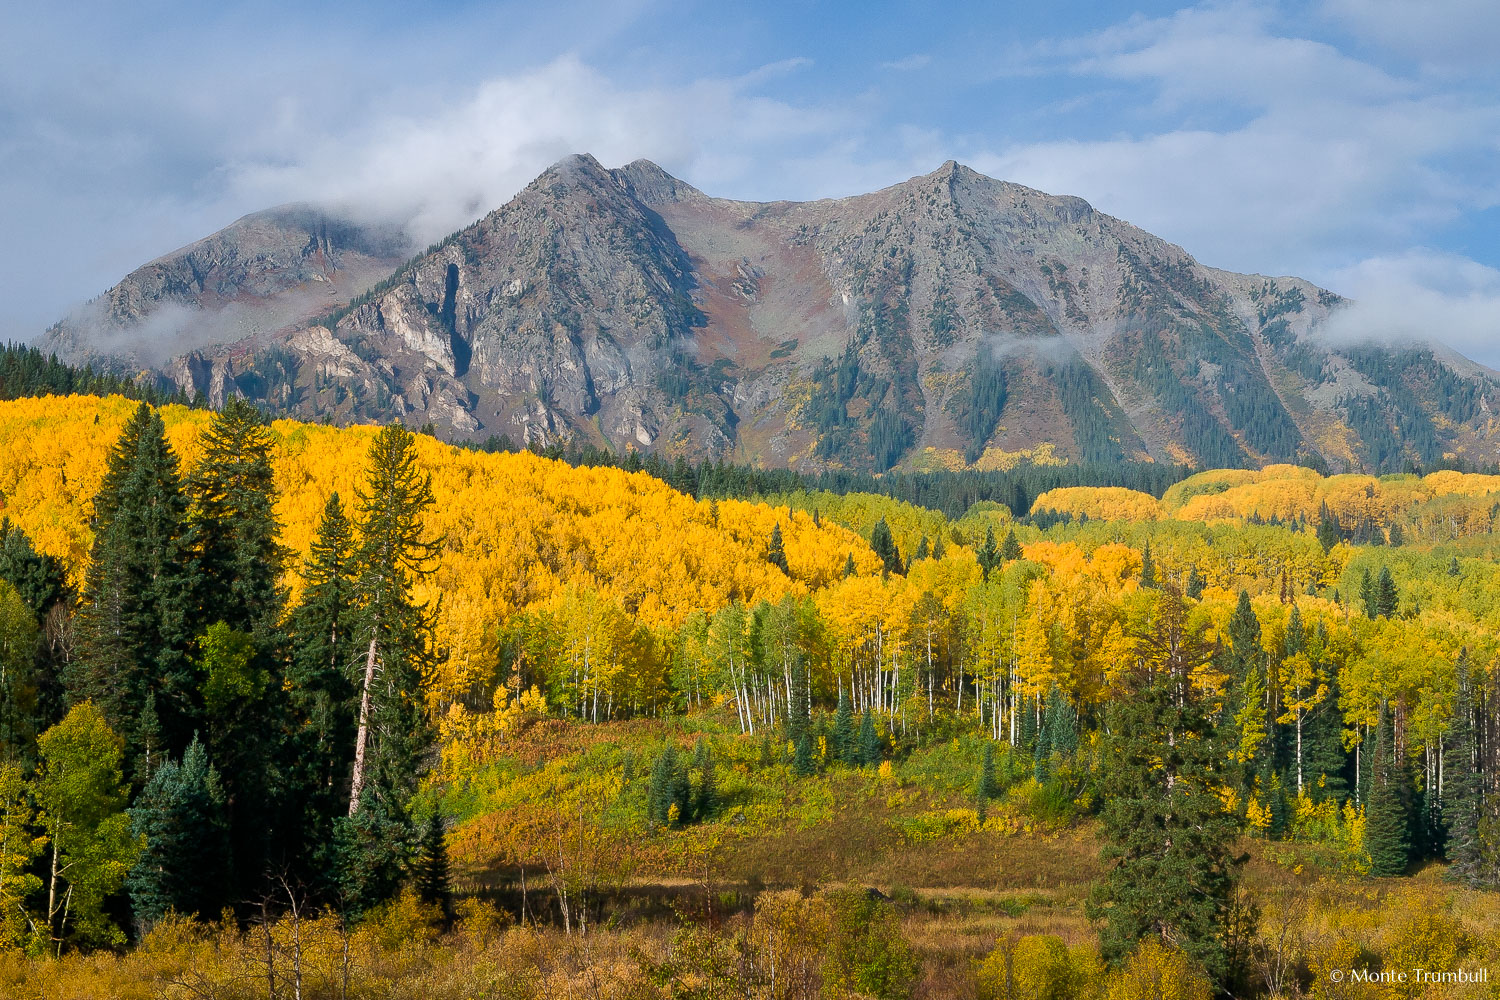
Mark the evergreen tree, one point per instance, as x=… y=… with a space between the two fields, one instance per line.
x=1386 y=821
x=1453 y=567
x=1148 y=568
x=845 y=740
x=40 y=580
x=937 y=548
x=1463 y=790
x=849 y=569
x=802 y=754
x=391 y=732
x=232 y=529
x=776 y=551
x=1386 y=598
x=870 y=748
x=1167 y=833
x=1367 y=595
x=431 y=873
x=661 y=793
x=1195 y=584
x=321 y=691
x=135 y=629
x=706 y=795
x=180 y=818
x=1058 y=736
x=988 y=555
x=922 y=551
x=1329 y=531
x=1010 y=549
x=989 y=785
x=885 y=547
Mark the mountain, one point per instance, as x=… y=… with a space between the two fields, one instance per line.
x=267 y=273
x=949 y=319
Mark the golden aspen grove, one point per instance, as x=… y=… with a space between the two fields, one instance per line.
x=625 y=741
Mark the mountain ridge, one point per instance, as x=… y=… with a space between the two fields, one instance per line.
x=951 y=318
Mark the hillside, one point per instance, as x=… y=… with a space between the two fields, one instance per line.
x=948 y=320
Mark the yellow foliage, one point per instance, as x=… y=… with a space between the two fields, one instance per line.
x=1099 y=503
x=1158 y=973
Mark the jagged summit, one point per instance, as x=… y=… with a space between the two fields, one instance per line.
x=946 y=319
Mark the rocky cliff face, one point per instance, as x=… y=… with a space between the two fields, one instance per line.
x=948 y=320
x=267 y=273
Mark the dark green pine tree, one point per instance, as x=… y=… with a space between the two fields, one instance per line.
x=988 y=554
x=1386 y=598
x=849 y=569
x=320 y=688
x=923 y=552
x=1329 y=531
x=1397 y=536
x=184 y=863
x=1010 y=549
x=135 y=627
x=395 y=635
x=42 y=581
x=870 y=749
x=1367 y=595
x=1386 y=819
x=706 y=792
x=1148 y=568
x=1453 y=567
x=845 y=739
x=232 y=529
x=1168 y=836
x=1323 y=756
x=430 y=872
x=937 y=548
x=885 y=547
x=1195 y=584
x=1463 y=789
x=776 y=551
x=985 y=785
x=802 y=754
x=661 y=792
x=238 y=563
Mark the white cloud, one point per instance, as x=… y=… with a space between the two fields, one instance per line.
x=1445 y=35
x=1419 y=296
x=906 y=64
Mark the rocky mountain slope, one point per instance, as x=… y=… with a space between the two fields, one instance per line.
x=951 y=319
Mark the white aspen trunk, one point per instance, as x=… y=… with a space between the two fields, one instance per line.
x=362 y=736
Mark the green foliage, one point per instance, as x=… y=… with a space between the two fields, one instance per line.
x=1386 y=815
x=885 y=547
x=179 y=817
x=80 y=796
x=867 y=955
x=1166 y=831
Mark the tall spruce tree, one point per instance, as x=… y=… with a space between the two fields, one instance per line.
x=845 y=737
x=1167 y=833
x=1386 y=821
x=870 y=748
x=885 y=547
x=180 y=818
x=776 y=551
x=395 y=634
x=1463 y=790
x=1010 y=549
x=135 y=622
x=988 y=554
x=394 y=552
x=320 y=688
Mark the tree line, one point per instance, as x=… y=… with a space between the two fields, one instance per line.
x=179 y=736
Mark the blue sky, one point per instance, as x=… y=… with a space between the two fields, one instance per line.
x=1352 y=142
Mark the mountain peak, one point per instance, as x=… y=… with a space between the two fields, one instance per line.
x=651 y=185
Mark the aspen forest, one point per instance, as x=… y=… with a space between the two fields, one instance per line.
x=293 y=710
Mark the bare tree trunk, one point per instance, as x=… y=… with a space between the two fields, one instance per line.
x=362 y=737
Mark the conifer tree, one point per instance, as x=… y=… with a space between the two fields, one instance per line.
x=988 y=554
x=1386 y=598
x=776 y=551
x=870 y=749
x=1010 y=550
x=1463 y=790
x=324 y=648
x=393 y=553
x=885 y=547
x=1329 y=531
x=184 y=864
x=430 y=873
x=706 y=795
x=1367 y=595
x=1148 y=568
x=1167 y=834
x=232 y=529
x=1195 y=584
x=135 y=628
x=1386 y=821
x=923 y=552
x=802 y=754
x=937 y=548
x=849 y=569
x=845 y=737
